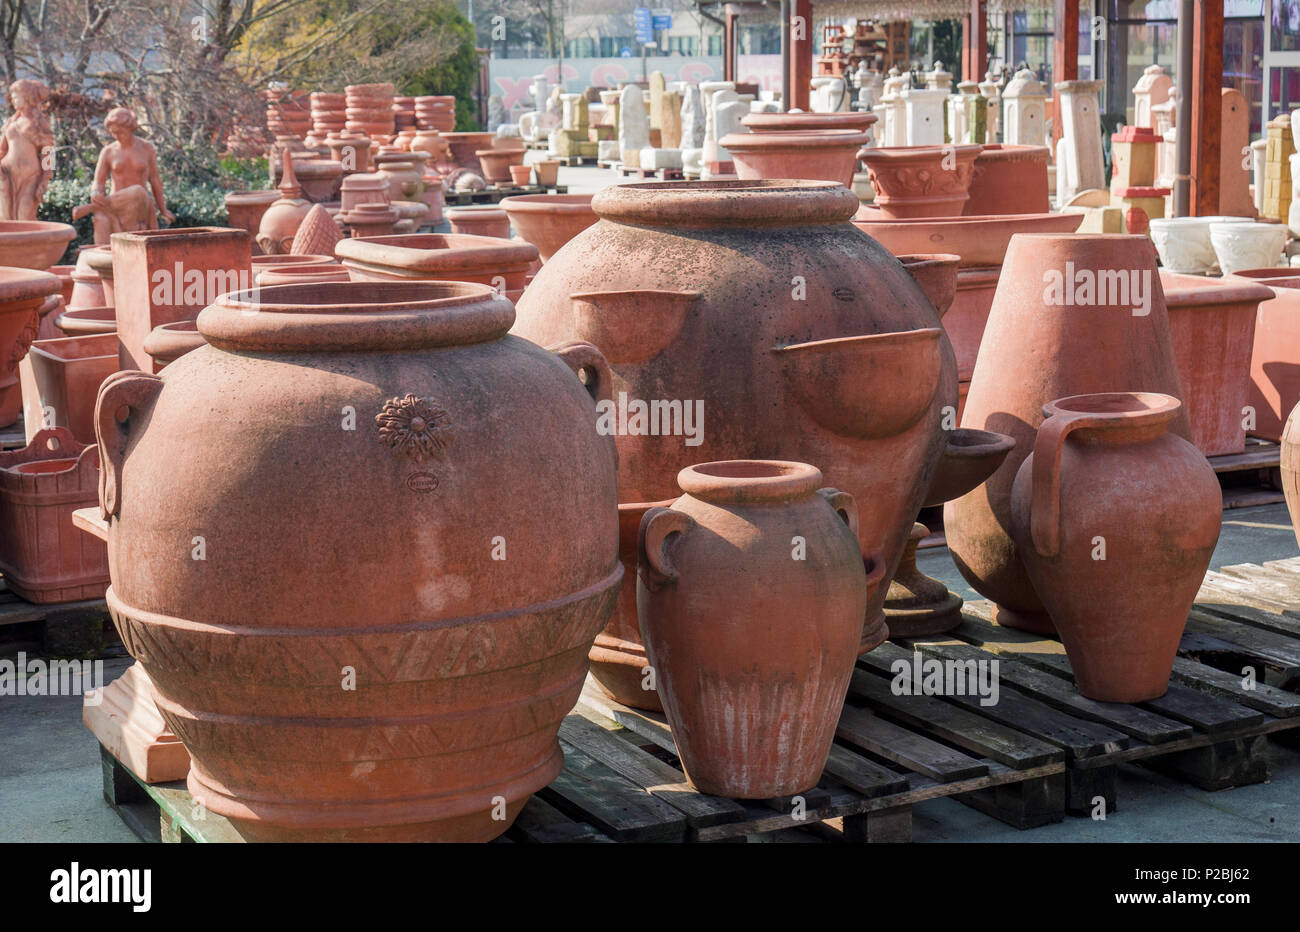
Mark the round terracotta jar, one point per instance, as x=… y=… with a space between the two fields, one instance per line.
x=167 y=343
x=756 y=306
x=404 y=173
x=548 y=221
x=752 y=644
x=1009 y=179
x=461 y=620
x=1116 y=518
x=479 y=221
x=816 y=155
x=921 y=181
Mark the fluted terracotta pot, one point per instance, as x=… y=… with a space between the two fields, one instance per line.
x=501 y=263
x=462 y=620
x=1036 y=348
x=921 y=181
x=1009 y=179
x=748 y=302
x=1116 y=518
x=26 y=296
x=751 y=680
x=548 y=221
x=818 y=155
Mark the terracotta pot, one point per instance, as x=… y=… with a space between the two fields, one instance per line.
x=163 y=276
x=1275 y=357
x=464 y=146
x=87 y=287
x=100 y=261
x=479 y=221
x=1213 y=328
x=496 y=163
x=440 y=257
x=404 y=173
x=1291 y=468
x=548 y=172
x=367 y=221
x=1109 y=467
x=921 y=181
x=752 y=681
x=521 y=175
x=619 y=663
x=464 y=664
x=262 y=263
x=1009 y=179
x=244 y=210
x=302 y=274
x=169 y=342
x=860 y=121
x=66 y=281
x=980 y=241
x=65 y=375
x=548 y=221
x=33 y=244
x=44 y=558
x=817 y=155
x=1035 y=349
x=685 y=284
x=26 y=295
x=87 y=321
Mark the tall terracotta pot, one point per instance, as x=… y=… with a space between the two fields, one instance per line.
x=1291 y=468
x=752 y=640
x=1116 y=518
x=461 y=618
x=758 y=304
x=1036 y=348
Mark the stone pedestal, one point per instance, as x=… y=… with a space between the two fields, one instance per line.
x=892 y=110
x=658 y=87
x=725 y=113
x=124 y=717
x=1153 y=88
x=1164 y=115
x=924 y=109
x=1277 y=172
x=1258 y=154
x=1079 y=161
x=692 y=135
x=1234 y=156
x=1024 y=111
x=992 y=94
x=633 y=126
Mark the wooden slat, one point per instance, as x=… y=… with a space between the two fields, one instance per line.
x=866 y=776
x=1247 y=592
x=1270 y=583
x=862 y=728
x=657 y=778
x=649 y=725
x=1276 y=649
x=589 y=791
x=1247 y=615
x=1230 y=686
x=542 y=823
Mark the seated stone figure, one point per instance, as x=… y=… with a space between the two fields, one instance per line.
x=131 y=164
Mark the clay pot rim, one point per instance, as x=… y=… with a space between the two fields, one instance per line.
x=437 y=252
x=261 y=263
x=577 y=204
x=766 y=122
x=1208 y=293
x=1129 y=409
x=477 y=211
x=302 y=274
x=467 y=135
x=1008 y=152
x=704 y=204
x=48 y=347
x=354 y=316
x=269 y=195
x=34 y=232
x=964 y=153
x=740 y=482
x=21 y=285
x=168 y=342
x=98 y=320
x=781 y=140
x=1267 y=274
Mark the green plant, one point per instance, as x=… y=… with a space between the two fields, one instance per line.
x=457 y=74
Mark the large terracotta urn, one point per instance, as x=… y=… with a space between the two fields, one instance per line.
x=26 y=296
x=1116 y=517
x=1275 y=356
x=1048 y=337
x=398 y=672
x=1291 y=468
x=548 y=221
x=751 y=640
x=750 y=321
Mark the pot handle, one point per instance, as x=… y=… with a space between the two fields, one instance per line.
x=658 y=525
x=135 y=391
x=876 y=566
x=844 y=506
x=583 y=357
x=1045 y=501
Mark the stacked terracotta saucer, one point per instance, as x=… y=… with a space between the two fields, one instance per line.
x=328 y=113
x=404 y=113
x=369 y=109
x=287 y=112
x=436 y=112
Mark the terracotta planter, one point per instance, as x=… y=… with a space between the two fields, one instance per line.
x=548 y=221
x=464 y=146
x=33 y=244
x=262 y=263
x=1275 y=357
x=806 y=122
x=521 y=175
x=619 y=663
x=169 y=342
x=1120 y=617
x=100 y=261
x=817 y=155
x=496 y=163
x=302 y=274
x=440 y=257
x=921 y=181
x=1213 y=327
x=26 y=295
x=87 y=321
x=1035 y=350
x=548 y=172
x=751 y=681
x=162 y=276
x=87 y=287
x=1291 y=468
x=65 y=375
x=479 y=221
x=685 y=284
x=1009 y=179
x=980 y=241
x=44 y=558
x=244 y=210
x=464 y=664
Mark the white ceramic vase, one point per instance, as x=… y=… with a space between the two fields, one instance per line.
x=1248 y=245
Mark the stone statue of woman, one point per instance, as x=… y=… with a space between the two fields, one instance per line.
x=131 y=164
x=24 y=140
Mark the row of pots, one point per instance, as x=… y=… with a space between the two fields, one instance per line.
x=1202 y=245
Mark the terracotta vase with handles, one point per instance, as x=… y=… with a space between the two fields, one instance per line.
x=462 y=620
x=1116 y=518
x=751 y=590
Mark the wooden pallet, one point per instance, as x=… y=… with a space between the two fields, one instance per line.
x=63 y=629
x=1252 y=477
x=496 y=193
x=653 y=174
x=573 y=161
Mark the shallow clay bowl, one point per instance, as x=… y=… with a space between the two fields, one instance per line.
x=33 y=244
x=980 y=241
x=970 y=457
x=86 y=321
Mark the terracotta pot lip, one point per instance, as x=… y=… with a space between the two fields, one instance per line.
x=642 y=507
x=262 y=263
x=477 y=210
x=270 y=195
x=924 y=260
x=578 y=204
x=918 y=153
x=436 y=252
x=704 y=204
x=770 y=121
x=1127 y=409
x=1266 y=274
x=1191 y=291
x=36 y=231
x=781 y=140
x=466 y=135
x=356 y=316
x=974 y=443
x=1007 y=152
x=986 y=219
x=1114 y=238
x=26 y=285
x=749 y=481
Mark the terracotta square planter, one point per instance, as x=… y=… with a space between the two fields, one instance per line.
x=1275 y=359
x=161 y=276
x=61 y=379
x=45 y=558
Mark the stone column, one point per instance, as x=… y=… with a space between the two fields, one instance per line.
x=1153 y=88
x=634 y=126
x=993 y=107
x=924 y=108
x=1024 y=111
x=1234 y=156
x=1079 y=161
